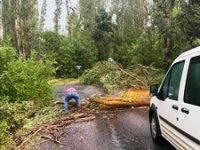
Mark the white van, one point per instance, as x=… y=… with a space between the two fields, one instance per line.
x=174 y=112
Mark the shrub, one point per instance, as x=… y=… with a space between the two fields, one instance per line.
x=12 y=119
x=6 y=141
x=7 y=54
x=69 y=53
x=26 y=80
x=73 y=53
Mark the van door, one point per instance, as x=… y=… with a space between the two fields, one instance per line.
x=189 y=117
x=168 y=106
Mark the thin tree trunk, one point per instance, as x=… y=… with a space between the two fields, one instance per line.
x=68 y=28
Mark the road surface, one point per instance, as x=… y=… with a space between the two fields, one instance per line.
x=122 y=130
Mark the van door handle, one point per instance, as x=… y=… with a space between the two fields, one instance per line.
x=175 y=107
x=185 y=110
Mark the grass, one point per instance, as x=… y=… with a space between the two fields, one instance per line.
x=62 y=81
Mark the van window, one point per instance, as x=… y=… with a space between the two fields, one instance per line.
x=192 y=89
x=163 y=93
x=170 y=87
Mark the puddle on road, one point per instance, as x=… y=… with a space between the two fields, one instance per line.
x=113 y=132
x=115 y=139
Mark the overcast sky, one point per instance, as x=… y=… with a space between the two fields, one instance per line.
x=50 y=13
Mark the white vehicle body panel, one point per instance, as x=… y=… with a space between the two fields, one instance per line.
x=180 y=129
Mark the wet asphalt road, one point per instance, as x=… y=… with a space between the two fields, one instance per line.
x=124 y=130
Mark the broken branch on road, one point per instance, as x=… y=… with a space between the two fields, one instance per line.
x=54 y=126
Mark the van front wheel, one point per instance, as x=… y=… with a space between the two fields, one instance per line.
x=155 y=129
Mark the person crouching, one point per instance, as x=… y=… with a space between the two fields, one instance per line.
x=70 y=94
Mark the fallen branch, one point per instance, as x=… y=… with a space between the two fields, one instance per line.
x=55 y=139
x=130 y=74
x=27 y=139
x=58 y=102
x=85 y=119
x=56 y=125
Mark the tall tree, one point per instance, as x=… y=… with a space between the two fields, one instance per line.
x=131 y=16
x=74 y=24
x=1 y=23
x=103 y=35
x=43 y=15
x=7 y=18
x=20 y=24
x=57 y=16
x=88 y=10
x=162 y=20
x=28 y=25
x=68 y=20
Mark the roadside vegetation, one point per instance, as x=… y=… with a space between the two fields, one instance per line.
x=115 y=45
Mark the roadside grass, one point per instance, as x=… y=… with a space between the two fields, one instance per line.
x=61 y=81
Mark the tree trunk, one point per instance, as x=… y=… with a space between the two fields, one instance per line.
x=168 y=44
x=68 y=28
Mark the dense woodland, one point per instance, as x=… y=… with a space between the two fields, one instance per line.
x=134 y=34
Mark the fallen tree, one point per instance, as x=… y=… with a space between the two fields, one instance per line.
x=112 y=75
x=132 y=97
x=120 y=102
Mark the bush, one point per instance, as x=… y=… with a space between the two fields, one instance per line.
x=69 y=53
x=26 y=80
x=23 y=89
x=7 y=54
x=6 y=141
x=12 y=117
x=73 y=53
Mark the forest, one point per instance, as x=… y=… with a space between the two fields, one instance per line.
x=108 y=43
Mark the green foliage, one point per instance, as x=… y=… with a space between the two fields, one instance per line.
x=44 y=115
x=26 y=79
x=6 y=43
x=69 y=53
x=51 y=41
x=18 y=117
x=103 y=35
x=6 y=141
x=112 y=76
x=94 y=75
x=175 y=11
x=196 y=42
x=12 y=117
x=188 y=22
x=73 y=53
x=7 y=54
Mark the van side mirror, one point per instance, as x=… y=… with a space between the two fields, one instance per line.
x=154 y=90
